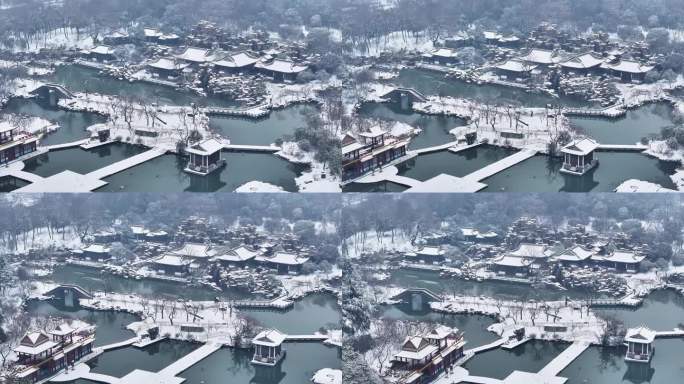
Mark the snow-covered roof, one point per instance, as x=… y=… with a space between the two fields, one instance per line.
x=269 y=338
x=351 y=147
x=512 y=261
x=445 y=52
x=469 y=232
x=96 y=248
x=193 y=250
x=172 y=261
x=491 y=35
x=117 y=34
x=537 y=251
x=327 y=376
x=509 y=39
x=624 y=257
x=286 y=259
x=642 y=335
x=167 y=64
x=138 y=230
x=440 y=332
x=195 y=55
x=581 y=147
x=431 y=251
x=373 y=132
x=63 y=330
x=240 y=253
x=583 y=61
x=281 y=66
x=151 y=32
x=33 y=339
x=576 y=253
x=6 y=126
x=541 y=56
x=102 y=50
x=157 y=233
x=487 y=235
x=416 y=348
x=206 y=148
x=516 y=66
x=238 y=60
x=35 y=343
x=628 y=66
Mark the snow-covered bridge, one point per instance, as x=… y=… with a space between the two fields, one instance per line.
x=63 y=290
x=425 y=294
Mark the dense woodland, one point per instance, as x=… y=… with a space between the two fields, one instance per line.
x=59 y=215
x=656 y=220
x=359 y=21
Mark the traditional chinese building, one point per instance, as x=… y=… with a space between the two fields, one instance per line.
x=372 y=150
x=237 y=63
x=205 y=157
x=167 y=68
x=576 y=255
x=283 y=262
x=579 y=157
x=101 y=53
x=639 y=344
x=268 y=348
x=623 y=261
x=94 y=252
x=15 y=145
x=428 y=355
x=237 y=257
x=42 y=355
x=172 y=265
x=280 y=70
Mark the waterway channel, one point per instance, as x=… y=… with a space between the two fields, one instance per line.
x=435 y=83
x=434 y=129
x=77 y=78
x=166 y=174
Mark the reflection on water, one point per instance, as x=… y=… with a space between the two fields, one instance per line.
x=165 y=174
x=80 y=160
x=541 y=174
x=72 y=124
x=264 y=131
x=228 y=365
x=599 y=365
x=435 y=129
x=427 y=166
x=433 y=83
x=529 y=357
x=88 y=80
x=637 y=123
x=111 y=326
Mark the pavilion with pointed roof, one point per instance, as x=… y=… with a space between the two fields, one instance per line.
x=579 y=157
x=268 y=347
x=639 y=344
x=205 y=157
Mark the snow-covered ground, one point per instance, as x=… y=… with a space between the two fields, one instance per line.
x=312 y=180
x=62 y=38
x=372 y=242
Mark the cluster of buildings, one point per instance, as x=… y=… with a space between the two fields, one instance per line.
x=208 y=47
x=197 y=245
x=423 y=357
x=523 y=261
x=535 y=62
x=41 y=355
x=549 y=49
x=191 y=256
x=529 y=249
